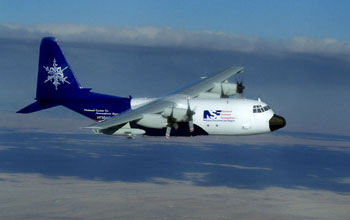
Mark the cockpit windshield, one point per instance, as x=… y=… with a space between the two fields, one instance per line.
x=260 y=109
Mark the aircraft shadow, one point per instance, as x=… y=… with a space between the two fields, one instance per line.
x=105 y=158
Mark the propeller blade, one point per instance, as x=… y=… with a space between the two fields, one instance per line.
x=188 y=104
x=167 y=133
x=190 y=125
x=190 y=113
x=171 y=121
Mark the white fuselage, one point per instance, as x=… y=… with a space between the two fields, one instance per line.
x=224 y=116
x=233 y=117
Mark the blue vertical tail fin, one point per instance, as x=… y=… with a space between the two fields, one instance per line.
x=57 y=85
x=55 y=78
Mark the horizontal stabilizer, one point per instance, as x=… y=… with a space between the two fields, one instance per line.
x=36 y=106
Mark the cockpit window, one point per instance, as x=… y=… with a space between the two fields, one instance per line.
x=260 y=109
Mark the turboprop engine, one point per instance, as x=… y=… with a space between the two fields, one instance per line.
x=159 y=121
x=153 y=121
x=223 y=90
x=179 y=114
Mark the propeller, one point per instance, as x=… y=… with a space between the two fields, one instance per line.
x=171 y=122
x=189 y=114
x=240 y=87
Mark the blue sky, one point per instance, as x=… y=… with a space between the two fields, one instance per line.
x=269 y=19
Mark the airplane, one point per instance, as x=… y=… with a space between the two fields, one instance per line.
x=206 y=107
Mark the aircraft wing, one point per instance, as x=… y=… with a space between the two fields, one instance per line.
x=208 y=82
x=111 y=125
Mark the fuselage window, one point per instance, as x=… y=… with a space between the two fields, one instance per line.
x=260 y=109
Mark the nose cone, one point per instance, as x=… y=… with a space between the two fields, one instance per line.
x=277 y=122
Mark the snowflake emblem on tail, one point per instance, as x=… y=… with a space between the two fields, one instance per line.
x=56 y=75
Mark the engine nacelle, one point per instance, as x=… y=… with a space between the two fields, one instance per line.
x=179 y=114
x=227 y=89
x=153 y=121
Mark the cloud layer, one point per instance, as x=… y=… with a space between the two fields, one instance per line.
x=169 y=37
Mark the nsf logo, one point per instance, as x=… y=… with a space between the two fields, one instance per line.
x=211 y=114
x=218 y=115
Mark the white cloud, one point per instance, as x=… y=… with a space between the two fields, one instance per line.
x=169 y=37
x=319 y=46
